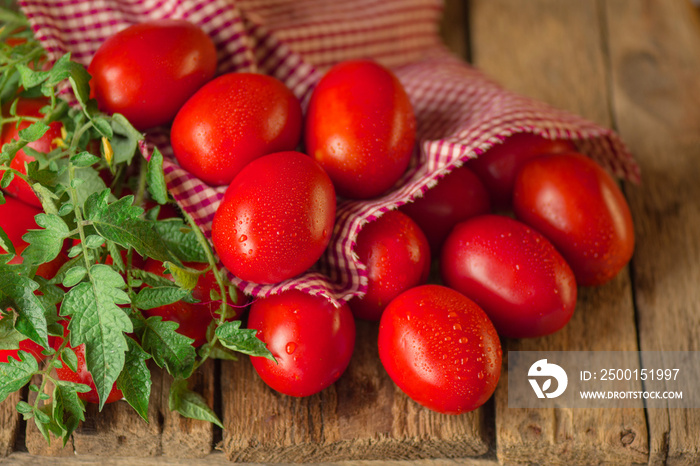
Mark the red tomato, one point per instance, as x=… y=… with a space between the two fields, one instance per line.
x=276 y=218
x=311 y=339
x=440 y=348
x=397 y=256
x=233 y=120
x=147 y=71
x=28 y=107
x=82 y=375
x=498 y=167
x=25 y=345
x=194 y=318
x=511 y=271
x=457 y=196
x=361 y=128
x=580 y=208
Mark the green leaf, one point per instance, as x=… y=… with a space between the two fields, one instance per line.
x=46 y=197
x=68 y=410
x=16 y=374
x=150 y=298
x=46 y=244
x=46 y=423
x=84 y=159
x=190 y=404
x=29 y=77
x=79 y=80
x=125 y=139
x=17 y=291
x=151 y=279
x=181 y=240
x=121 y=222
x=91 y=183
x=9 y=337
x=74 y=276
x=100 y=324
x=34 y=131
x=243 y=340
x=102 y=126
x=135 y=380
x=184 y=278
x=69 y=358
x=156 y=178
x=60 y=70
x=169 y=349
x=6 y=179
x=216 y=352
x=5 y=242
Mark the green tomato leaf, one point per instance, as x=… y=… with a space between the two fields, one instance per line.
x=79 y=80
x=190 y=404
x=84 y=159
x=34 y=131
x=125 y=139
x=29 y=77
x=169 y=349
x=16 y=374
x=100 y=324
x=68 y=410
x=46 y=244
x=5 y=242
x=150 y=298
x=135 y=380
x=17 y=292
x=243 y=340
x=156 y=178
x=181 y=240
x=6 y=179
x=74 y=276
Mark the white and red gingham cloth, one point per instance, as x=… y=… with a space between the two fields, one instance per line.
x=460 y=112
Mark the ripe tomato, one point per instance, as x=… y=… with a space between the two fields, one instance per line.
x=311 y=339
x=511 y=271
x=233 y=120
x=457 y=196
x=276 y=218
x=194 y=318
x=575 y=203
x=147 y=71
x=498 y=167
x=397 y=256
x=440 y=348
x=82 y=375
x=10 y=131
x=361 y=128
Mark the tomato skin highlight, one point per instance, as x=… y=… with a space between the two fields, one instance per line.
x=10 y=131
x=311 y=340
x=456 y=197
x=194 y=318
x=147 y=71
x=578 y=206
x=397 y=256
x=360 y=127
x=498 y=167
x=233 y=120
x=276 y=218
x=513 y=272
x=440 y=349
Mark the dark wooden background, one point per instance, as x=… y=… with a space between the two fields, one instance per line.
x=632 y=65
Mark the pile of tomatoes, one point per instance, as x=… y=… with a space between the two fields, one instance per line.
x=513 y=232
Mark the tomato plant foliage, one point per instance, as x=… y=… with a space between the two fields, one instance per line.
x=97 y=236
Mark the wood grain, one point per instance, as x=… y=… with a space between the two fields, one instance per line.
x=554 y=51
x=9 y=424
x=655 y=64
x=362 y=417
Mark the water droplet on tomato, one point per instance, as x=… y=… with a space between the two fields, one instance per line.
x=480 y=375
x=242 y=238
x=457 y=327
x=291 y=347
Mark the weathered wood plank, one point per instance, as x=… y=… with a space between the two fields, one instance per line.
x=362 y=417
x=553 y=51
x=9 y=424
x=655 y=61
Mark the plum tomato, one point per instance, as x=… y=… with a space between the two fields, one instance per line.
x=440 y=349
x=456 y=197
x=311 y=340
x=147 y=71
x=512 y=272
x=276 y=218
x=578 y=206
x=10 y=131
x=498 y=166
x=194 y=318
x=233 y=120
x=82 y=376
x=361 y=128
x=397 y=256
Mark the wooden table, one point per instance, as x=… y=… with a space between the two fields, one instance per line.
x=632 y=65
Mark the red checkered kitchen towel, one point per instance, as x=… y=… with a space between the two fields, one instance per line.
x=460 y=112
